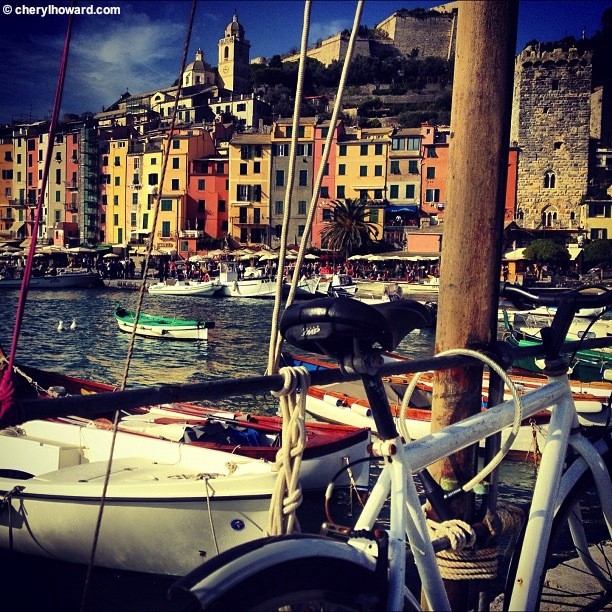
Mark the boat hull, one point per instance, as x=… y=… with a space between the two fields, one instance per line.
x=203 y=289
x=166 y=508
x=164 y=328
x=61 y=281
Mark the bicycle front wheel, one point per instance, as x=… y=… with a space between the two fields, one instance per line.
x=578 y=569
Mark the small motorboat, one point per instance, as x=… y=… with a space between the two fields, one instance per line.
x=172 y=286
x=166 y=328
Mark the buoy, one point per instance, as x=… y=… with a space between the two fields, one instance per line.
x=60 y=326
x=73 y=324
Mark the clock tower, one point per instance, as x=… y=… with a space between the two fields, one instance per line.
x=234 y=59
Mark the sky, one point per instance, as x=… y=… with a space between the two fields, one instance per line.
x=141 y=49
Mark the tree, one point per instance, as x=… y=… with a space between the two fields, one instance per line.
x=597 y=253
x=350 y=228
x=545 y=251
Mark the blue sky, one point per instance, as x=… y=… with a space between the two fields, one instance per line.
x=141 y=49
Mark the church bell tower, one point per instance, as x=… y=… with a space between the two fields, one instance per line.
x=234 y=59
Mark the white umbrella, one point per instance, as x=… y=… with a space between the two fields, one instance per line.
x=110 y=256
x=311 y=256
x=197 y=258
x=82 y=250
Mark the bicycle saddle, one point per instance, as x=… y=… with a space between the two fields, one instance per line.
x=333 y=325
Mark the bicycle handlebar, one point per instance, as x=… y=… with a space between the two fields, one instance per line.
x=576 y=298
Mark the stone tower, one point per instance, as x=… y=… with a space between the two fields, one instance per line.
x=234 y=59
x=551 y=113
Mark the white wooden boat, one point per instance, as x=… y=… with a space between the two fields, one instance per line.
x=65 y=279
x=429 y=285
x=172 y=286
x=165 y=328
x=252 y=284
x=167 y=506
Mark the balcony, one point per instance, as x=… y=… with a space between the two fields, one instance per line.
x=7 y=217
x=71 y=206
x=71 y=184
x=192 y=234
x=251 y=219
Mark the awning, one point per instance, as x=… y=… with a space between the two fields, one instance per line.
x=401 y=208
x=17 y=225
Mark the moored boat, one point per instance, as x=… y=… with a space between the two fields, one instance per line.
x=166 y=328
x=64 y=279
x=173 y=286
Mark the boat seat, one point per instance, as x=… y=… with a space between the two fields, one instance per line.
x=331 y=325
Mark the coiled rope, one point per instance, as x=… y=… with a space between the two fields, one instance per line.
x=287 y=494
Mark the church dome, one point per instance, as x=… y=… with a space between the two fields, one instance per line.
x=234 y=29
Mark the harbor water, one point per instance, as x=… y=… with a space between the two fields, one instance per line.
x=95 y=349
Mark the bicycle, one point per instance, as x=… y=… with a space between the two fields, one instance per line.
x=364 y=568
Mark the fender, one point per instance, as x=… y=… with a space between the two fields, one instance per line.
x=224 y=572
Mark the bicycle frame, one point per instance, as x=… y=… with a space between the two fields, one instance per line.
x=407 y=519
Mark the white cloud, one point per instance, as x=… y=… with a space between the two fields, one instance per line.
x=325 y=29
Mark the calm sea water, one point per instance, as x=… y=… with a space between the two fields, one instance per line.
x=96 y=349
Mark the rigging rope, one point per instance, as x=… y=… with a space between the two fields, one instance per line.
x=138 y=307
x=275 y=337
x=7 y=398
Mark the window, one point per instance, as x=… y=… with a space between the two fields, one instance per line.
x=105 y=160
x=378 y=171
x=243 y=193
x=341 y=169
x=221 y=206
x=153 y=179
x=136 y=179
x=165 y=230
x=133 y=220
x=58 y=176
x=243 y=169
x=432 y=195
x=413 y=166
x=220 y=168
x=378 y=194
x=117 y=181
x=117 y=161
x=342 y=151
x=340 y=191
x=58 y=196
x=326 y=170
x=176 y=144
x=280 y=178
x=431 y=172
x=363 y=194
x=201 y=206
x=393 y=192
x=166 y=205
x=280 y=150
x=304 y=150
x=378 y=148
x=154 y=161
x=256 y=167
x=395 y=167
x=325 y=192
x=549 y=180
x=373 y=215
x=288 y=131
x=363 y=150
x=301 y=207
x=327 y=216
x=301 y=229
x=175 y=184
x=135 y=199
x=431 y=152
x=201 y=184
x=554 y=84
x=115 y=201
x=414 y=144
x=176 y=163
x=303 y=179
x=256 y=193
x=324 y=132
x=363 y=171
x=301 y=131
x=278 y=207
x=115 y=220
x=410 y=191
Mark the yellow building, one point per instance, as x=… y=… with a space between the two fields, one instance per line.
x=117 y=208
x=249 y=188
x=361 y=169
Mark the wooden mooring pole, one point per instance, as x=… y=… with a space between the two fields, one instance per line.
x=473 y=226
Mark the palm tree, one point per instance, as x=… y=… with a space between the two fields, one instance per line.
x=349 y=229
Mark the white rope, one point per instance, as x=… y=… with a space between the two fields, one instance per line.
x=287 y=495
x=275 y=337
x=518 y=411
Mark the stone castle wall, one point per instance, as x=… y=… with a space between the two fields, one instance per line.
x=432 y=36
x=551 y=125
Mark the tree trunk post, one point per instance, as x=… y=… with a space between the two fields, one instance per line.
x=473 y=227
